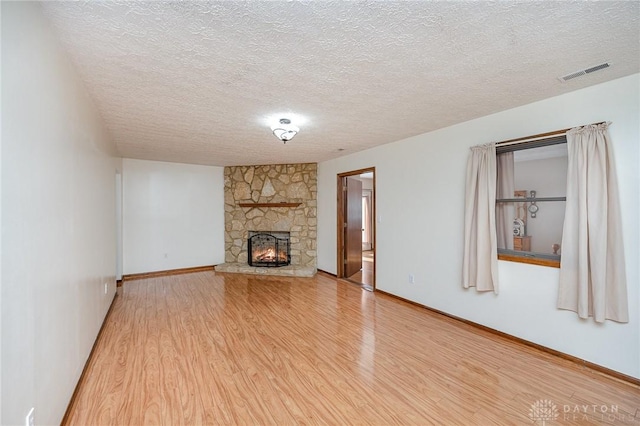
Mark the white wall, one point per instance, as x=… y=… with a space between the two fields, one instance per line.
x=367 y=183
x=58 y=220
x=0 y=225
x=173 y=215
x=420 y=199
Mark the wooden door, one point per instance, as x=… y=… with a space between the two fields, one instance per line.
x=353 y=226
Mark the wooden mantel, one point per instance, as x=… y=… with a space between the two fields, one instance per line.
x=283 y=204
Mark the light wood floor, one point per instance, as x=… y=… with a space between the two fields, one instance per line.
x=365 y=275
x=207 y=348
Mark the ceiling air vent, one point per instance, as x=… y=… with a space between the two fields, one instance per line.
x=584 y=72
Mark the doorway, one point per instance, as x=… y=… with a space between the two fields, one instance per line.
x=356 y=227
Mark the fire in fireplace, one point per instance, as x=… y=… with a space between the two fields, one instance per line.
x=268 y=248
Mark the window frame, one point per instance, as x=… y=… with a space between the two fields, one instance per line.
x=517 y=256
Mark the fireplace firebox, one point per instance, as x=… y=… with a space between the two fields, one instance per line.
x=268 y=248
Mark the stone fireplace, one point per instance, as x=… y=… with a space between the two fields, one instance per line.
x=271 y=199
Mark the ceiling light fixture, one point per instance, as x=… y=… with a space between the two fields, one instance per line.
x=284 y=130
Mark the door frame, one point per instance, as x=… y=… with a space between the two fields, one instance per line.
x=341 y=187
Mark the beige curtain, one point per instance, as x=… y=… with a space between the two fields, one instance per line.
x=480 y=261
x=505 y=188
x=592 y=273
x=367 y=236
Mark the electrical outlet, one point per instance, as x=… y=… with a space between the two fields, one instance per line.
x=106 y=288
x=30 y=420
x=412 y=279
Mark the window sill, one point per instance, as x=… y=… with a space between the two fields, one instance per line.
x=552 y=263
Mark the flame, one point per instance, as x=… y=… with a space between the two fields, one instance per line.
x=269 y=255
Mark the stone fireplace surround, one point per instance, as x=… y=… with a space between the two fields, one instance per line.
x=246 y=191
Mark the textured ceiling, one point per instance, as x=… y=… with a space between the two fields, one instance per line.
x=193 y=82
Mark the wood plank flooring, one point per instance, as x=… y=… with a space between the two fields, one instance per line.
x=365 y=275
x=211 y=348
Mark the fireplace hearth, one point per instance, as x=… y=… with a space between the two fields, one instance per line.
x=268 y=248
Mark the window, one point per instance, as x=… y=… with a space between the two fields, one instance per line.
x=530 y=200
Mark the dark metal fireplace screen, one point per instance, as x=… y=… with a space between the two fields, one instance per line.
x=269 y=248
